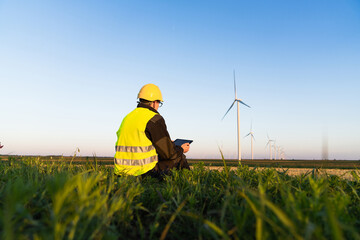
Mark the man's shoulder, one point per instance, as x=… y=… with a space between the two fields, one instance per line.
x=156 y=118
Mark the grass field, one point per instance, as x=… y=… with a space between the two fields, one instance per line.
x=63 y=200
x=325 y=164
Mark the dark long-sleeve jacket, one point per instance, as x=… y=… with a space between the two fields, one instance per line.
x=169 y=154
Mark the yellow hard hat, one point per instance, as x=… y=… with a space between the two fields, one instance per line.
x=150 y=92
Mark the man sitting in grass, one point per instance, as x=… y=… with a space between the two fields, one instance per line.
x=143 y=144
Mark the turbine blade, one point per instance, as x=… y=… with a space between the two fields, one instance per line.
x=242 y=103
x=246 y=135
x=229 y=109
x=253 y=137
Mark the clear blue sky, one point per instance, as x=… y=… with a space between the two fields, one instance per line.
x=71 y=70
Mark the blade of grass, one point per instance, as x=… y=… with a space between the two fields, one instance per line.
x=225 y=167
x=172 y=218
x=208 y=223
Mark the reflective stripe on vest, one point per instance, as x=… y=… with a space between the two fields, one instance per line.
x=135 y=154
x=134 y=149
x=136 y=162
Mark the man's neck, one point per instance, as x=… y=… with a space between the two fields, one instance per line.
x=143 y=105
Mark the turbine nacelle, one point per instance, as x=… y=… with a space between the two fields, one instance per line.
x=251 y=134
x=236 y=100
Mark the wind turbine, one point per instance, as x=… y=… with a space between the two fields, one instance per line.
x=280 y=152
x=270 y=141
x=238 y=101
x=275 y=146
x=252 y=138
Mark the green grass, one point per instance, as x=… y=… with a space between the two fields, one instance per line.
x=324 y=164
x=62 y=200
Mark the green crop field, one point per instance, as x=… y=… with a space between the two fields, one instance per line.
x=61 y=199
x=324 y=164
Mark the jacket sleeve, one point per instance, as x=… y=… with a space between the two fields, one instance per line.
x=157 y=133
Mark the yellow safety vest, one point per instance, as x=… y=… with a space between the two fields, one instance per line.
x=135 y=154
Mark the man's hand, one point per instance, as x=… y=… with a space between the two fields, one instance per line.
x=186 y=147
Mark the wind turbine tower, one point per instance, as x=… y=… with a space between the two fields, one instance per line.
x=252 y=138
x=238 y=101
x=269 y=143
x=275 y=146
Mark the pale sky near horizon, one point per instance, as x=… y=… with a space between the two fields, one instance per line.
x=71 y=70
